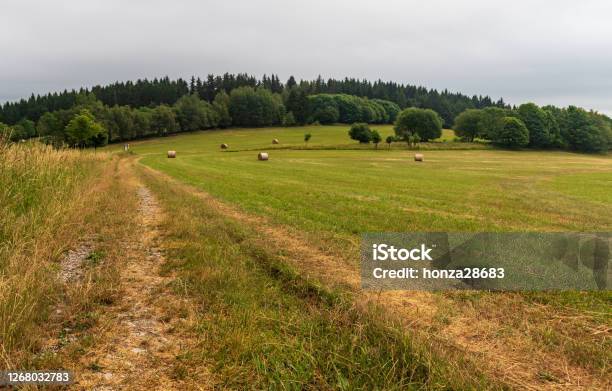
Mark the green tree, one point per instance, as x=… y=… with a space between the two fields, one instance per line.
x=163 y=120
x=289 y=120
x=584 y=131
x=83 y=130
x=513 y=134
x=468 y=124
x=536 y=121
x=16 y=132
x=389 y=140
x=221 y=105
x=142 y=122
x=326 y=115
x=492 y=122
x=307 y=137
x=360 y=132
x=29 y=127
x=255 y=107
x=297 y=103
x=391 y=109
x=120 y=123
x=50 y=127
x=556 y=141
x=193 y=113
x=425 y=123
x=376 y=138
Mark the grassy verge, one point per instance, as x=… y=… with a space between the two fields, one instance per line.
x=38 y=185
x=50 y=201
x=263 y=325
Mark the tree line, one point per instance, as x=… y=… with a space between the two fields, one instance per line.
x=127 y=111
x=527 y=126
x=90 y=122
x=531 y=126
x=151 y=93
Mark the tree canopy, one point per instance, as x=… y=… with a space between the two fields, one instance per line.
x=425 y=123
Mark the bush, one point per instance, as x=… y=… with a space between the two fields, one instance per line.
x=425 y=123
x=513 y=134
x=17 y=133
x=361 y=132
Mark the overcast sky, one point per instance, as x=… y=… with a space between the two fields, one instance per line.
x=546 y=51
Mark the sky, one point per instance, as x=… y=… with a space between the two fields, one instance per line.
x=547 y=52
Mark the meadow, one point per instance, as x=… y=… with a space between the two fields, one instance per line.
x=346 y=192
x=329 y=191
x=263 y=261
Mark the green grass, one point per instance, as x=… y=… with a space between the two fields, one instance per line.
x=263 y=326
x=336 y=190
x=346 y=192
x=329 y=137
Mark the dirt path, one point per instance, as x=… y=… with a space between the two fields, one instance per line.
x=461 y=331
x=143 y=333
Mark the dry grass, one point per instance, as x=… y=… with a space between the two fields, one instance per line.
x=40 y=217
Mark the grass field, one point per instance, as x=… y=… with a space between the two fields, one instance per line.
x=333 y=189
x=348 y=192
x=233 y=273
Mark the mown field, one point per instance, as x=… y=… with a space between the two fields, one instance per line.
x=346 y=192
x=332 y=189
x=262 y=263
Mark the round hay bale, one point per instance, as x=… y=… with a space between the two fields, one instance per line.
x=275 y=141
x=418 y=157
x=224 y=146
x=171 y=154
x=262 y=156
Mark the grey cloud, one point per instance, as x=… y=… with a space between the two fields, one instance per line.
x=546 y=51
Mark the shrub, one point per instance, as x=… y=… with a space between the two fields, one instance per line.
x=389 y=140
x=361 y=132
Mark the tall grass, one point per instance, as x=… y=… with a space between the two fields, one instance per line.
x=37 y=185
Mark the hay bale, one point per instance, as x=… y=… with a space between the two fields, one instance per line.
x=262 y=156
x=418 y=157
x=171 y=154
x=275 y=141
x=224 y=146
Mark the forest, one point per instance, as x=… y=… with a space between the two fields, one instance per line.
x=125 y=111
